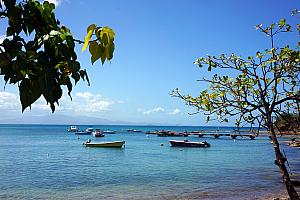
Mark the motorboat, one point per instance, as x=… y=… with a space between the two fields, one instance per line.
x=114 y=144
x=90 y=130
x=98 y=133
x=83 y=133
x=186 y=143
x=73 y=129
x=109 y=132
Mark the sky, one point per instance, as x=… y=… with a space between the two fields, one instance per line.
x=156 y=42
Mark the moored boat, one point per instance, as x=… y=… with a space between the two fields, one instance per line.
x=114 y=144
x=98 y=133
x=90 y=130
x=82 y=133
x=186 y=143
x=73 y=129
x=109 y=132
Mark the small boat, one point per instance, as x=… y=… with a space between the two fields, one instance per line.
x=90 y=130
x=98 y=133
x=115 y=144
x=186 y=143
x=151 y=132
x=73 y=129
x=108 y=132
x=134 y=130
x=82 y=133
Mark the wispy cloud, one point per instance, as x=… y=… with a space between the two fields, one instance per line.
x=151 y=111
x=82 y=103
x=9 y=101
x=91 y=103
x=175 y=112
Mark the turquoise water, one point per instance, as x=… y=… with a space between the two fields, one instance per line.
x=47 y=162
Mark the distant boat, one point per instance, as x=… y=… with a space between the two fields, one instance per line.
x=151 y=132
x=83 y=133
x=98 y=133
x=73 y=129
x=186 y=143
x=108 y=132
x=133 y=130
x=115 y=144
x=90 y=130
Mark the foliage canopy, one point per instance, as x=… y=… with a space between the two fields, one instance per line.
x=39 y=54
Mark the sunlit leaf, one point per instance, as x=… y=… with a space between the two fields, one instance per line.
x=88 y=36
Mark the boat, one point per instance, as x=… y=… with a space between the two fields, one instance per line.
x=73 y=129
x=186 y=143
x=108 y=132
x=82 y=133
x=134 y=130
x=98 y=133
x=114 y=144
x=90 y=130
x=151 y=132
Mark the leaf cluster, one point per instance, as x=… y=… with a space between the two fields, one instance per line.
x=103 y=46
x=38 y=53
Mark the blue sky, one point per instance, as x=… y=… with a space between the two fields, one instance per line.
x=156 y=44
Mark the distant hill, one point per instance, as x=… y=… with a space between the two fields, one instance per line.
x=66 y=119
x=60 y=119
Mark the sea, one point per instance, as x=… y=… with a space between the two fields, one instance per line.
x=47 y=162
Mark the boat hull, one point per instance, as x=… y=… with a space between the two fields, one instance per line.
x=182 y=143
x=83 y=133
x=117 y=144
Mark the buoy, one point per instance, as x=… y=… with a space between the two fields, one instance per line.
x=161 y=144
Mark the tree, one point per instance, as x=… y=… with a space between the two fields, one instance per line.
x=39 y=55
x=287 y=122
x=265 y=86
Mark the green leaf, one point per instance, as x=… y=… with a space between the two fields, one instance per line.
x=95 y=51
x=3 y=60
x=70 y=41
x=282 y=22
x=88 y=36
x=76 y=77
x=84 y=75
x=30 y=91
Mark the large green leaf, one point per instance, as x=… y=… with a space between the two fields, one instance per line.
x=29 y=92
x=95 y=51
x=88 y=36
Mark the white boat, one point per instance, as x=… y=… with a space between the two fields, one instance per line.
x=73 y=129
x=98 y=133
x=108 y=132
x=186 y=143
x=114 y=144
x=89 y=130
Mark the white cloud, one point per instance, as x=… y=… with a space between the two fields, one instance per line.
x=86 y=102
x=151 y=111
x=175 y=112
x=9 y=101
x=82 y=103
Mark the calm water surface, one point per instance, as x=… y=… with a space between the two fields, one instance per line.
x=47 y=162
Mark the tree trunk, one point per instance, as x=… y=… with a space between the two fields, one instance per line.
x=280 y=162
